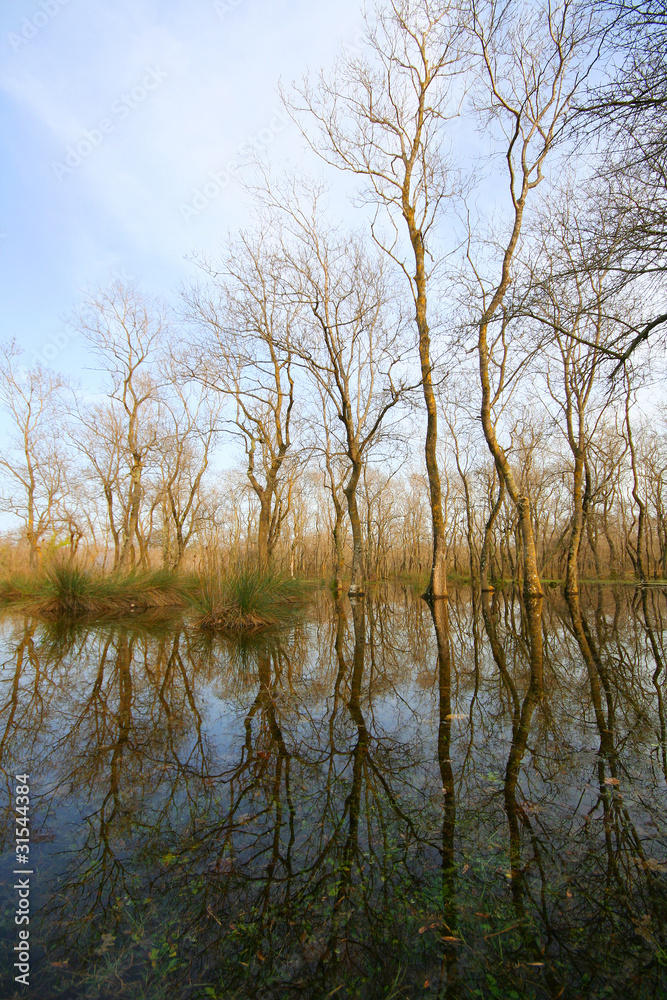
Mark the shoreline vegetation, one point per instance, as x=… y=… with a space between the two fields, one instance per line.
x=245 y=600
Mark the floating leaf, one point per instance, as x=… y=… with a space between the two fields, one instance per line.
x=611 y=781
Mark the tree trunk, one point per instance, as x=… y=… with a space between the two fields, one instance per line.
x=350 y=491
x=437 y=586
x=577 y=524
x=641 y=506
x=531 y=581
x=488 y=534
x=133 y=514
x=263 y=529
x=339 y=555
x=180 y=547
x=31 y=537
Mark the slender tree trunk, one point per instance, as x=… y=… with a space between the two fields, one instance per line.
x=133 y=514
x=339 y=555
x=470 y=534
x=350 y=491
x=437 y=586
x=108 y=494
x=636 y=494
x=531 y=581
x=180 y=547
x=263 y=529
x=576 y=530
x=266 y=496
x=488 y=535
x=610 y=542
x=31 y=537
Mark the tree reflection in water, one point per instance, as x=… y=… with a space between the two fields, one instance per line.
x=393 y=800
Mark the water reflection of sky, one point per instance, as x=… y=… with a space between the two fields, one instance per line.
x=339 y=809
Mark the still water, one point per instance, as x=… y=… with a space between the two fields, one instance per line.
x=377 y=803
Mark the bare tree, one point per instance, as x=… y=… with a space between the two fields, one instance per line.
x=245 y=353
x=626 y=113
x=332 y=456
x=569 y=297
x=381 y=118
x=34 y=463
x=533 y=60
x=97 y=435
x=125 y=333
x=185 y=446
x=350 y=338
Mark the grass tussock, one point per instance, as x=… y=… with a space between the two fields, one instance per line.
x=248 y=599
x=243 y=601
x=69 y=591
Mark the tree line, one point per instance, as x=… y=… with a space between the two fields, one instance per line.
x=501 y=300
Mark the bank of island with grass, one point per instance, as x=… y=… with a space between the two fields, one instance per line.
x=245 y=599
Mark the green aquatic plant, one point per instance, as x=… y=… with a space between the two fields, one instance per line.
x=248 y=599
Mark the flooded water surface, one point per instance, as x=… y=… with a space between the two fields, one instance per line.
x=386 y=801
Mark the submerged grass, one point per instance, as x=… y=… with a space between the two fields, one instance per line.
x=249 y=599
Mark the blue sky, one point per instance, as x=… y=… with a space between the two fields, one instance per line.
x=121 y=120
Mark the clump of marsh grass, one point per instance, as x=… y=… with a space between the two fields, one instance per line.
x=248 y=599
x=63 y=590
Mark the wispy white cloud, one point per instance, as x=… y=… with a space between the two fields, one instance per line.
x=121 y=205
